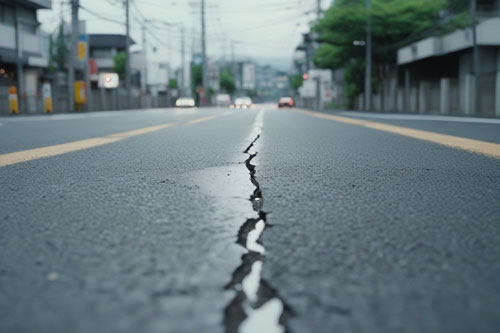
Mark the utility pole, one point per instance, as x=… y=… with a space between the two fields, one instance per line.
x=204 y=55
x=318 y=10
x=472 y=107
x=72 y=54
x=475 y=63
x=144 y=52
x=169 y=47
x=232 y=58
x=234 y=69
x=127 y=53
x=86 y=72
x=183 y=64
x=19 y=62
x=368 y=68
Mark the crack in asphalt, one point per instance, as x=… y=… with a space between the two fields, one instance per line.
x=256 y=306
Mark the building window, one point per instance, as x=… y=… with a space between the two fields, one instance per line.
x=7 y=15
x=29 y=28
x=486 y=5
x=101 y=53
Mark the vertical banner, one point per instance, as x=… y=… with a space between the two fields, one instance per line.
x=93 y=69
x=82 y=47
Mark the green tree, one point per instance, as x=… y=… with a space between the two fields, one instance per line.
x=58 y=51
x=119 y=62
x=52 y=66
x=227 y=81
x=197 y=75
x=172 y=83
x=196 y=80
x=296 y=81
x=394 y=24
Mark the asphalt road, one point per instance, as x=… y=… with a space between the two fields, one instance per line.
x=259 y=220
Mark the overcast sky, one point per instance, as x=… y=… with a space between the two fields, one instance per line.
x=263 y=30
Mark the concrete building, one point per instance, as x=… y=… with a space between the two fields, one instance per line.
x=436 y=74
x=104 y=47
x=23 y=54
x=248 y=76
x=214 y=76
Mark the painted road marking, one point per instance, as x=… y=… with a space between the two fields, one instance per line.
x=475 y=146
x=200 y=120
x=43 y=152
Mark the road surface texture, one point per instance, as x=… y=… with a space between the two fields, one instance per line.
x=259 y=220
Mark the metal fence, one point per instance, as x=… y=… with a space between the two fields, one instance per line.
x=99 y=100
x=444 y=96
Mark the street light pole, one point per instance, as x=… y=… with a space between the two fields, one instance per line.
x=368 y=68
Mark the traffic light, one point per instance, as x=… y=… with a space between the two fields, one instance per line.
x=305 y=76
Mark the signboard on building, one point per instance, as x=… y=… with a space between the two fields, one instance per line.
x=108 y=80
x=93 y=69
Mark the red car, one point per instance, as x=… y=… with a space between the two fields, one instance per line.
x=285 y=101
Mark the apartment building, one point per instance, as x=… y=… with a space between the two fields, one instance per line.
x=22 y=51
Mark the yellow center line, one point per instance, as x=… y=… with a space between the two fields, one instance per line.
x=49 y=151
x=200 y=120
x=476 y=146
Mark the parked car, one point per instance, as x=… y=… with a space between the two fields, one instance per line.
x=243 y=103
x=285 y=101
x=185 y=102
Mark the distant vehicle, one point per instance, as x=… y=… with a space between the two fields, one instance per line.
x=243 y=103
x=285 y=101
x=223 y=100
x=185 y=102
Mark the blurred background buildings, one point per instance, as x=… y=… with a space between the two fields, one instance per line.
x=446 y=60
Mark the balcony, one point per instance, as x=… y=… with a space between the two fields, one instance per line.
x=39 y=4
x=31 y=43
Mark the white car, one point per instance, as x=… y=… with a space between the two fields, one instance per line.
x=243 y=103
x=185 y=102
